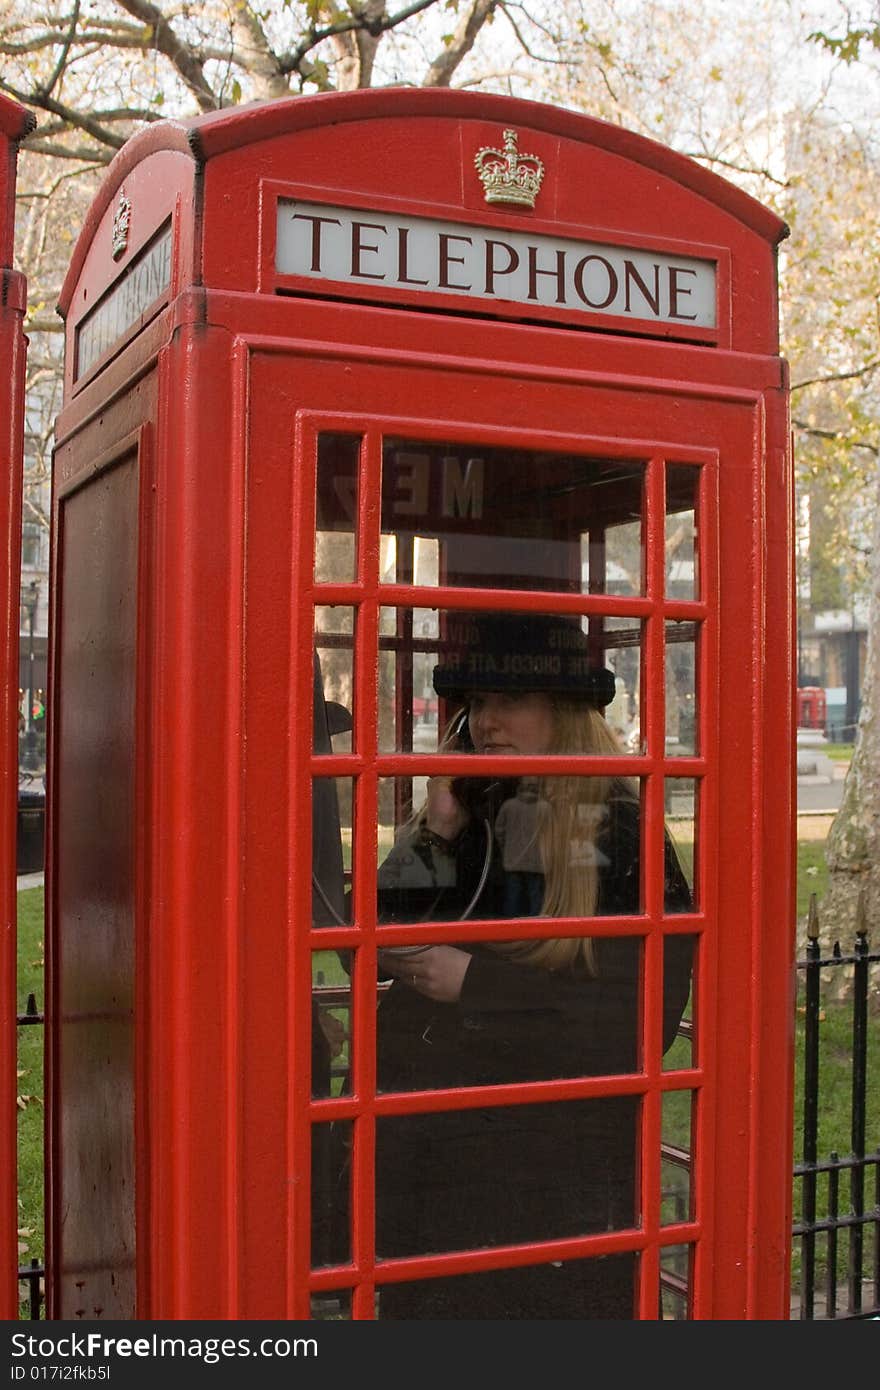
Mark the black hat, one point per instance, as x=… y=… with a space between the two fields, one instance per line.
x=521 y=651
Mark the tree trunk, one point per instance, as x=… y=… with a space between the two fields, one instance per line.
x=852 y=851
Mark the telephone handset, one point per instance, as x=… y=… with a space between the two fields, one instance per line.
x=482 y=796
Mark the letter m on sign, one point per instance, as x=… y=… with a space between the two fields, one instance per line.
x=463 y=488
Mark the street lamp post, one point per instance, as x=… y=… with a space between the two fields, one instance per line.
x=29 y=601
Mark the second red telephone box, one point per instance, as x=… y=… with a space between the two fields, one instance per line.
x=420 y=881
x=15 y=123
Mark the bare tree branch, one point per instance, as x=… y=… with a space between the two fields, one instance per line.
x=854 y=375
x=837 y=436
x=356 y=47
x=523 y=41
x=182 y=55
x=75 y=119
x=252 y=50
x=442 y=70
x=78 y=153
x=292 y=61
x=750 y=170
x=61 y=64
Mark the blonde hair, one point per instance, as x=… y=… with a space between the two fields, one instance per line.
x=571 y=813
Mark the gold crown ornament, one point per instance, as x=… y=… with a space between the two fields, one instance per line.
x=507 y=176
x=121 y=226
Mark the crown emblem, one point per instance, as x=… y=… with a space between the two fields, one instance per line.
x=121 y=224
x=507 y=176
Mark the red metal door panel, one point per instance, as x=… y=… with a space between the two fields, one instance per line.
x=92 y=952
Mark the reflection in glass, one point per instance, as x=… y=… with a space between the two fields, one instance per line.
x=331 y=1022
x=523 y=847
x=681 y=690
x=680 y=547
x=621 y=643
x=680 y=795
x=332 y=806
x=337 y=492
x=408 y=703
x=519 y=847
x=331 y=1192
x=508 y=518
x=623 y=560
x=675 y=1172
x=675 y=1283
x=406 y=558
x=576 y=1289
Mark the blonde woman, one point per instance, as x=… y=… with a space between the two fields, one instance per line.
x=512 y=1010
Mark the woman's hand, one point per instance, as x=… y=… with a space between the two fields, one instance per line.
x=444 y=814
x=437 y=972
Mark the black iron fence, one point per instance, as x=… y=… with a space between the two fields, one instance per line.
x=836 y=1233
x=837 y=1198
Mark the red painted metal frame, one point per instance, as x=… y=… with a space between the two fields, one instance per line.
x=15 y=123
x=230 y=383
x=367 y=595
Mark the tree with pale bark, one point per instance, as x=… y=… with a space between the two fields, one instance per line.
x=852 y=900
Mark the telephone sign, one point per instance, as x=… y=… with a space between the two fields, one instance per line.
x=349 y=247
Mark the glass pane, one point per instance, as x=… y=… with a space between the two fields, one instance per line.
x=679 y=956
x=406 y=558
x=681 y=690
x=507 y=518
x=337 y=474
x=331 y=1193
x=472 y=1179
x=621 y=641
x=675 y=1172
x=517 y=1019
x=331 y=1307
x=681 y=549
x=481 y=847
x=334 y=652
x=332 y=804
x=431 y=663
x=331 y=1023
x=408 y=703
x=675 y=1283
x=681 y=823
x=621 y=569
x=572 y=1289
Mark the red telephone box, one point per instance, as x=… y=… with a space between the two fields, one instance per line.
x=811 y=707
x=345 y=375
x=15 y=122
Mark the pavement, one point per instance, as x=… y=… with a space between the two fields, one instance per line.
x=821 y=792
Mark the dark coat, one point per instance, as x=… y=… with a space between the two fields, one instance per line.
x=500 y=1175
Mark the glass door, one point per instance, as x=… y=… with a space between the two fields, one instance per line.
x=510 y=736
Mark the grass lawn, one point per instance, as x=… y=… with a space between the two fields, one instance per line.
x=835 y=1064
x=839 y=752
x=812 y=873
x=30 y=1077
